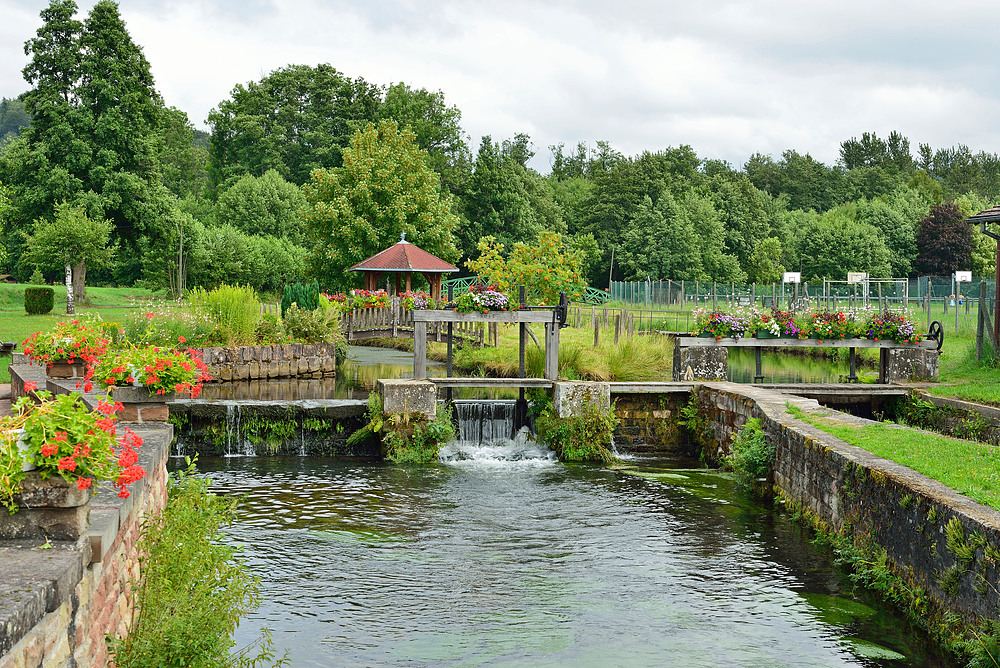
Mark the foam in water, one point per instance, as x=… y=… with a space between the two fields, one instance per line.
x=520 y=451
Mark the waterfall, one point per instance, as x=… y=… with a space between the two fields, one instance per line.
x=484 y=422
x=486 y=438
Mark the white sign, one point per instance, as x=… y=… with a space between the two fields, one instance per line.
x=791 y=277
x=856 y=277
x=963 y=276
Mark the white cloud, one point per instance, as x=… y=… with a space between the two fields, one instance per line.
x=729 y=78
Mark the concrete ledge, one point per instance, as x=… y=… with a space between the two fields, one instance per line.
x=408 y=396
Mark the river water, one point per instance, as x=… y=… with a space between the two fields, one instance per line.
x=501 y=556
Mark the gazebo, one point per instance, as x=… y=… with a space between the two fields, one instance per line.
x=404 y=258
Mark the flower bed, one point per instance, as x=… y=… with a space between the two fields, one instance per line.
x=481 y=298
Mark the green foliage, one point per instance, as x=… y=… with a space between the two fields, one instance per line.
x=264 y=206
x=694 y=419
x=71 y=238
x=835 y=243
x=224 y=254
x=412 y=439
x=545 y=268
x=580 y=438
x=36 y=277
x=311 y=326
x=384 y=189
x=305 y=295
x=234 y=308
x=751 y=458
x=964 y=550
x=294 y=120
x=269 y=329
x=38 y=301
x=194 y=587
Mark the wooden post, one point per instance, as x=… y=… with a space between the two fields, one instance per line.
x=597 y=331
x=551 y=350
x=980 y=326
x=618 y=326
x=420 y=350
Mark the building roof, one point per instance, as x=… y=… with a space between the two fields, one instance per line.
x=404 y=256
x=988 y=216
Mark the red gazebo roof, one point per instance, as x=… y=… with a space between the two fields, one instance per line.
x=404 y=256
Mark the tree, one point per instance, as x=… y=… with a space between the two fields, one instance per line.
x=71 y=239
x=13 y=118
x=835 y=243
x=661 y=243
x=93 y=136
x=265 y=205
x=385 y=188
x=294 y=120
x=436 y=127
x=183 y=157
x=496 y=202
x=900 y=234
x=765 y=262
x=544 y=267
x=944 y=241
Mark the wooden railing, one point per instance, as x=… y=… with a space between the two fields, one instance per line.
x=394 y=321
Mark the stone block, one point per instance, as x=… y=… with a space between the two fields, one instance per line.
x=408 y=396
x=254 y=370
x=917 y=364
x=154 y=413
x=700 y=363
x=574 y=397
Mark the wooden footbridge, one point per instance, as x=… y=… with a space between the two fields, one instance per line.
x=396 y=322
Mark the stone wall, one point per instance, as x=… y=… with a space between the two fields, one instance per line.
x=312 y=428
x=57 y=603
x=882 y=502
x=647 y=422
x=311 y=360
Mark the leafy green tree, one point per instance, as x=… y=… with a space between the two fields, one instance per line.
x=436 y=127
x=71 y=239
x=545 y=267
x=900 y=234
x=835 y=243
x=385 y=188
x=497 y=201
x=13 y=118
x=183 y=154
x=661 y=243
x=742 y=210
x=266 y=205
x=93 y=136
x=765 y=262
x=891 y=154
x=944 y=241
x=294 y=120
x=716 y=262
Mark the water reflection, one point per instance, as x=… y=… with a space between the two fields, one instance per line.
x=785 y=368
x=475 y=562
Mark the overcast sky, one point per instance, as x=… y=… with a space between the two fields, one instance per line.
x=728 y=78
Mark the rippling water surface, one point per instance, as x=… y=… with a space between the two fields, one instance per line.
x=508 y=558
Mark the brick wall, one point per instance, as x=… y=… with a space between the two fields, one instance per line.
x=70 y=595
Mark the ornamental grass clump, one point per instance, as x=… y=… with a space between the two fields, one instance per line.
x=159 y=371
x=234 y=308
x=67 y=341
x=61 y=436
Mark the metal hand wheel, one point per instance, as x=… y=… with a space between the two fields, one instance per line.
x=936 y=333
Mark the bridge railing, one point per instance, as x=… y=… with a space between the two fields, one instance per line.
x=394 y=321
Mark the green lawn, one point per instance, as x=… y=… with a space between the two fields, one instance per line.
x=968 y=467
x=112 y=304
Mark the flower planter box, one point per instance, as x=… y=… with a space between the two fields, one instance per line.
x=760 y=334
x=47 y=509
x=63 y=369
x=140 y=407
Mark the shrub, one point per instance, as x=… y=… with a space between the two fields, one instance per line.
x=269 y=329
x=234 y=308
x=311 y=326
x=193 y=589
x=751 y=457
x=36 y=277
x=579 y=438
x=38 y=301
x=305 y=295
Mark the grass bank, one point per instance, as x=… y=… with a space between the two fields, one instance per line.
x=968 y=467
